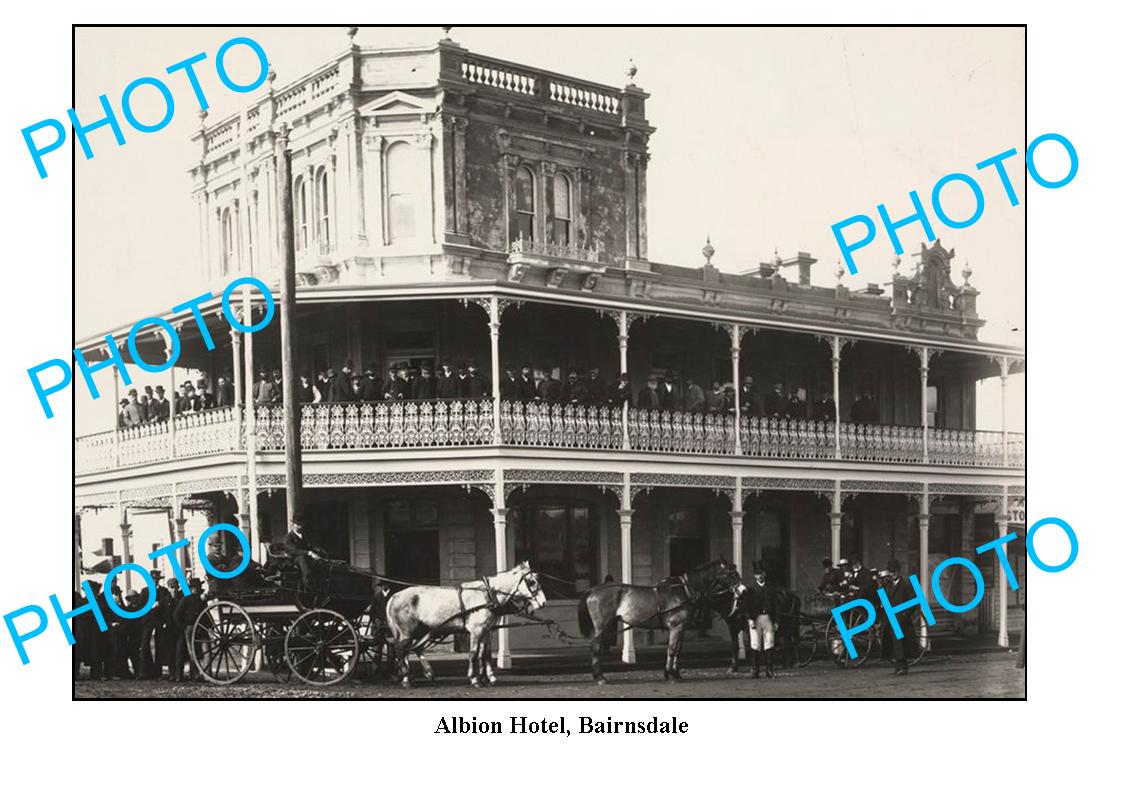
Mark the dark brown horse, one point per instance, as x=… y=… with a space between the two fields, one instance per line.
x=668 y=605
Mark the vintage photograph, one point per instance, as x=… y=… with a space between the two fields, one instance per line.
x=559 y=385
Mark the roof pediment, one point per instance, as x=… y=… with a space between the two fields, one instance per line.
x=397 y=103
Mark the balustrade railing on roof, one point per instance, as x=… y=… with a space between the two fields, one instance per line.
x=469 y=422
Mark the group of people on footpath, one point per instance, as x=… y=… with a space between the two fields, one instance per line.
x=150 y=647
x=151 y=405
x=537 y=384
x=850 y=580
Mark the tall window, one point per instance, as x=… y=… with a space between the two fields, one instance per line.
x=251 y=222
x=300 y=199
x=524 y=204
x=933 y=406
x=229 y=250
x=399 y=188
x=560 y=538
x=563 y=209
x=323 y=211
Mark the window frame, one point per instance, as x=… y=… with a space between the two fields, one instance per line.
x=557 y=217
x=521 y=215
x=322 y=205
x=392 y=181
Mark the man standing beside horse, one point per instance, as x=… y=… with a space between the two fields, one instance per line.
x=764 y=618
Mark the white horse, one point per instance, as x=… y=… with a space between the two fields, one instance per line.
x=419 y=615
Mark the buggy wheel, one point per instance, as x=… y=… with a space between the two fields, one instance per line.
x=923 y=638
x=273 y=652
x=321 y=647
x=836 y=648
x=806 y=646
x=223 y=642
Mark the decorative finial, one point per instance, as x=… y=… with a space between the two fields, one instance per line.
x=776 y=256
x=202 y=118
x=967 y=274
x=631 y=71
x=708 y=252
x=351 y=35
x=271 y=76
x=838 y=272
x=896 y=263
x=448 y=30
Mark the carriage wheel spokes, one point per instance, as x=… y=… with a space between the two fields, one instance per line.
x=862 y=642
x=321 y=647
x=222 y=643
x=806 y=645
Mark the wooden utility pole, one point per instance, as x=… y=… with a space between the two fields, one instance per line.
x=293 y=476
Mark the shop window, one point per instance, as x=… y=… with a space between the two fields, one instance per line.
x=559 y=539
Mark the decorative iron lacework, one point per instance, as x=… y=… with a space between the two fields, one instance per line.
x=964 y=489
x=144 y=492
x=906 y=487
x=563 y=476
x=95 y=500
x=472 y=477
x=1016 y=490
x=148 y=503
x=805 y=484
x=227 y=483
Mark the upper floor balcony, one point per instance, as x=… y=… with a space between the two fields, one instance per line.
x=450 y=425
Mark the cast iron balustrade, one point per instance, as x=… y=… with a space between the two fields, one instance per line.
x=389 y=424
x=672 y=431
x=469 y=422
x=561 y=425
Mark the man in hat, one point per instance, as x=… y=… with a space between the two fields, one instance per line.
x=425 y=385
x=823 y=410
x=622 y=391
x=694 y=399
x=224 y=391
x=278 y=387
x=206 y=397
x=669 y=391
x=509 y=384
x=186 y=611
x=478 y=384
x=527 y=390
x=263 y=394
x=775 y=404
x=598 y=390
x=342 y=390
x=159 y=406
x=549 y=388
x=832 y=581
x=145 y=411
x=575 y=391
x=898 y=590
x=306 y=555
x=448 y=387
x=797 y=407
x=130 y=637
x=370 y=389
x=150 y=625
x=121 y=413
x=648 y=397
x=764 y=618
x=132 y=413
x=715 y=399
x=750 y=398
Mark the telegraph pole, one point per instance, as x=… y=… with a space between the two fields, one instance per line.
x=293 y=477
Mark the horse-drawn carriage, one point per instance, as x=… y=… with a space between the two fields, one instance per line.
x=320 y=632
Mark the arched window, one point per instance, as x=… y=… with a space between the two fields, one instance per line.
x=399 y=189
x=563 y=209
x=229 y=246
x=300 y=202
x=524 y=204
x=323 y=211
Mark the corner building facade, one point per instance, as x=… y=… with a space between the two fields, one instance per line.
x=448 y=205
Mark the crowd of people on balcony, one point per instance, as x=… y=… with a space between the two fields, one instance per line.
x=529 y=384
x=151 y=405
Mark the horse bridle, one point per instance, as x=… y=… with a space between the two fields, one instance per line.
x=513 y=596
x=710 y=592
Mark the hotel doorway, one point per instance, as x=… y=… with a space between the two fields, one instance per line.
x=413 y=541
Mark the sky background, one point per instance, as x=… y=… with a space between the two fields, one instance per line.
x=766 y=137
